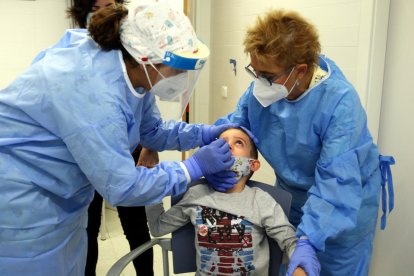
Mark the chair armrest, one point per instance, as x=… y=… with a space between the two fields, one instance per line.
x=120 y=265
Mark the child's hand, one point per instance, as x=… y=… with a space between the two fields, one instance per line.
x=299 y=272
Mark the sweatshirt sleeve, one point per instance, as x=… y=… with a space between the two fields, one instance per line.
x=276 y=224
x=163 y=222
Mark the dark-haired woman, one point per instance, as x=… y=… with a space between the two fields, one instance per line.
x=133 y=219
x=71 y=120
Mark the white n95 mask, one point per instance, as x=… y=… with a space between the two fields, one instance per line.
x=171 y=87
x=266 y=95
x=241 y=166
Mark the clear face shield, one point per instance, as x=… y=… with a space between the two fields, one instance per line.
x=176 y=81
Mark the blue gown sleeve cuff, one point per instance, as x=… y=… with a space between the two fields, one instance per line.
x=186 y=173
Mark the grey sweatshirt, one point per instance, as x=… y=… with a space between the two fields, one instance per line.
x=230 y=228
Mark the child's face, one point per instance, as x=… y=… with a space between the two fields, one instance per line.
x=239 y=142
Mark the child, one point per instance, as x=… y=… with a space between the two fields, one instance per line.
x=230 y=227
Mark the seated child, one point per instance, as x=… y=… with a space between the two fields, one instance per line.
x=231 y=227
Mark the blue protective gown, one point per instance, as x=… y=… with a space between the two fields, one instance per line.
x=68 y=126
x=323 y=154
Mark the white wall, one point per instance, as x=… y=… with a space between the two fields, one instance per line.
x=200 y=14
x=26 y=27
x=394 y=246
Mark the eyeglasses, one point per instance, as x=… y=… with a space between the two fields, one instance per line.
x=268 y=78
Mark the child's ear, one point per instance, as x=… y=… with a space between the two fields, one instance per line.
x=254 y=165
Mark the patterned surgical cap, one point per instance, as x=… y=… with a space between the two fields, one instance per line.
x=151 y=30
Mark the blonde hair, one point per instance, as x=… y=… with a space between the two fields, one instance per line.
x=285 y=38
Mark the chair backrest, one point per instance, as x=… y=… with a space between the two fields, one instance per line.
x=182 y=243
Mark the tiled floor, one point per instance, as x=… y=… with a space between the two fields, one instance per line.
x=116 y=245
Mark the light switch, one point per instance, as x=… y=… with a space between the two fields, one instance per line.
x=224 y=91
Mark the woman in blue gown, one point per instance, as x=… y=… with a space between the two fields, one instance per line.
x=312 y=129
x=70 y=122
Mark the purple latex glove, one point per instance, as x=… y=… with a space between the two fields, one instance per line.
x=209 y=159
x=222 y=181
x=211 y=132
x=305 y=257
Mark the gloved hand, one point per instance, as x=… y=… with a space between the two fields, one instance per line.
x=305 y=257
x=222 y=181
x=209 y=159
x=211 y=132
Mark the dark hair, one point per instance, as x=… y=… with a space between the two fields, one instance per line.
x=254 y=152
x=79 y=10
x=104 y=29
x=104 y=26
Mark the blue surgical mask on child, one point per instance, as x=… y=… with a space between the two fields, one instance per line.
x=241 y=166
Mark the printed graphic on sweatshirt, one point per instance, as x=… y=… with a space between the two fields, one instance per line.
x=225 y=242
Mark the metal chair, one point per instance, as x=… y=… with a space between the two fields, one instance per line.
x=182 y=242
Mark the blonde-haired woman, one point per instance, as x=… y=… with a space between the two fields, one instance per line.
x=312 y=129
